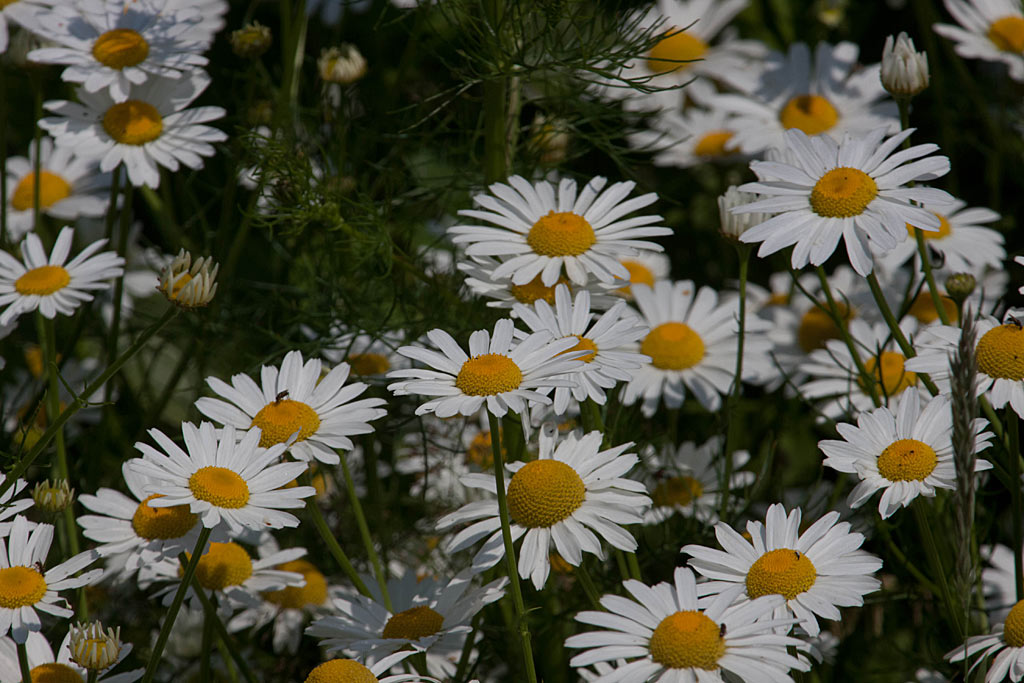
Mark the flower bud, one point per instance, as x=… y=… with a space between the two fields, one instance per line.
x=251 y=41
x=959 y=286
x=93 y=648
x=343 y=64
x=735 y=224
x=53 y=498
x=549 y=138
x=189 y=285
x=904 y=70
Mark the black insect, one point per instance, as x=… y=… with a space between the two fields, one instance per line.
x=280 y=397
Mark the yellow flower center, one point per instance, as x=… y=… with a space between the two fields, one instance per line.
x=133 y=122
x=479 y=451
x=280 y=419
x=413 y=624
x=543 y=493
x=162 y=523
x=777 y=299
x=1007 y=33
x=639 y=274
x=715 y=144
x=1001 y=352
x=889 y=372
x=559 y=565
x=812 y=114
x=945 y=229
x=676 y=47
x=52 y=189
x=784 y=572
x=817 y=327
x=923 y=308
x=179 y=285
x=225 y=564
x=297 y=597
x=488 y=374
x=561 y=234
x=54 y=673
x=21 y=586
x=365 y=364
x=842 y=193
x=686 y=640
x=535 y=290
x=42 y=281
x=583 y=344
x=673 y=346
x=1013 y=628
x=907 y=460
x=341 y=671
x=220 y=486
x=677 y=491
x=119 y=48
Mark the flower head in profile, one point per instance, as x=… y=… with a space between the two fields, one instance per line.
x=904 y=69
x=187 y=284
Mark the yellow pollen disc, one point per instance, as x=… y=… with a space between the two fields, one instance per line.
x=535 y=290
x=945 y=229
x=179 y=285
x=119 y=48
x=777 y=299
x=52 y=189
x=225 y=564
x=341 y=671
x=1013 y=628
x=678 y=47
x=133 y=122
x=583 y=344
x=162 y=523
x=686 y=640
x=843 y=192
x=816 y=327
x=297 y=597
x=639 y=274
x=21 y=586
x=220 y=486
x=1001 y=352
x=413 y=624
x=715 y=144
x=907 y=460
x=889 y=372
x=1007 y=33
x=561 y=234
x=479 y=451
x=923 y=308
x=784 y=572
x=54 y=673
x=543 y=493
x=365 y=364
x=673 y=346
x=812 y=114
x=677 y=491
x=279 y=420
x=488 y=374
x=43 y=280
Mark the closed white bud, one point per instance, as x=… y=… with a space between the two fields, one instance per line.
x=735 y=224
x=904 y=70
x=53 y=497
x=187 y=284
x=343 y=64
x=93 y=648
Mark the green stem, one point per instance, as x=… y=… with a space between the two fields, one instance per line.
x=92 y=676
x=927 y=583
x=26 y=674
x=510 y=553
x=332 y=543
x=839 y=320
x=732 y=403
x=204 y=655
x=897 y=333
x=467 y=649
x=620 y=561
x=122 y=249
x=364 y=532
x=209 y=610
x=496 y=152
x=1012 y=427
x=634 y=566
x=590 y=414
x=37 y=164
x=588 y=586
x=935 y=563
x=929 y=276
x=115 y=186
x=3 y=149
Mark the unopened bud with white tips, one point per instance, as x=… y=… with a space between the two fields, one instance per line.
x=735 y=224
x=53 y=497
x=187 y=284
x=93 y=648
x=904 y=70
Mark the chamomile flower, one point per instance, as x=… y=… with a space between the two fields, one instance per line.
x=428 y=615
x=152 y=128
x=644 y=269
x=497 y=372
x=992 y=30
x=294 y=401
x=69 y=187
x=689 y=137
x=44 y=666
x=854 y=190
x=605 y=340
x=53 y=285
x=665 y=633
x=1006 y=642
x=572 y=495
x=692 y=346
x=369 y=356
x=908 y=454
x=816 y=571
x=548 y=231
x=223 y=480
x=25 y=586
x=503 y=293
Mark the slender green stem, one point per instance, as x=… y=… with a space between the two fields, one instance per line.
x=510 y=553
x=929 y=276
x=925 y=582
x=467 y=649
x=94 y=676
x=590 y=414
x=496 y=151
x=209 y=610
x=37 y=163
x=588 y=586
x=1012 y=427
x=115 y=186
x=3 y=148
x=897 y=333
x=172 y=611
x=207 y=645
x=26 y=675
x=620 y=561
x=634 y=566
x=122 y=249
x=364 y=532
x=732 y=403
x=867 y=378
x=924 y=526
x=332 y=543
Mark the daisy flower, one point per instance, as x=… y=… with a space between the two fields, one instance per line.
x=69 y=187
x=854 y=189
x=550 y=232
x=118 y=45
x=503 y=293
x=834 y=95
x=498 y=372
x=9 y=507
x=53 y=285
x=992 y=30
x=294 y=400
x=20 y=12
x=26 y=587
x=644 y=269
x=665 y=635
x=682 y=138
x=428 y=616
x=998 y=579
x=223 y=480
x=908 y=454
x=152 y=128
x=573 y=495
x=1006 y=642
x=369 y=356
x=605 y=340
x=816 y=571
x=692 y=345
x=44 y=666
